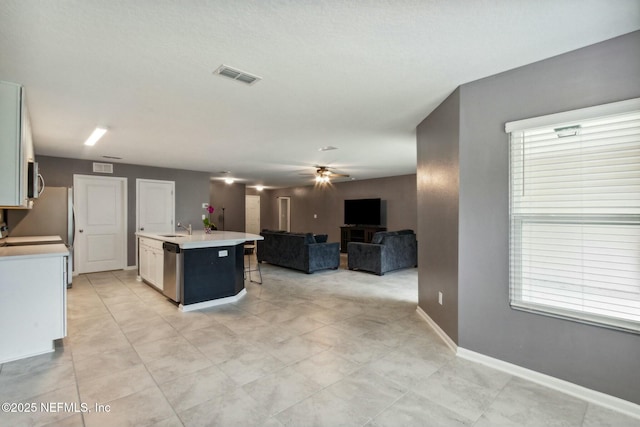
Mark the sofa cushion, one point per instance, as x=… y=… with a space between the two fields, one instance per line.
x=401 y=232
x=377 y=237
x=321 y=238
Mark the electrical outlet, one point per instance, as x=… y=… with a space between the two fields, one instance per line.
x=440 y=298
x=205 y=205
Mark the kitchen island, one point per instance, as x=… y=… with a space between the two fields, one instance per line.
x=196 y=271
x=33 y=299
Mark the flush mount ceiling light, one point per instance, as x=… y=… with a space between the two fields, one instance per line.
x=237 y=75
x=259 y=187
x=95 y=136
x=228 y=180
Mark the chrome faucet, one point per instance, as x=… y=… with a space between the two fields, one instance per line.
x=189 y=229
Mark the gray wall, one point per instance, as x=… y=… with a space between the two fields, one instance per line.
x=192 y=188
x=327 y=202
x=437 y=199
x=598 y=358
x=231 y=198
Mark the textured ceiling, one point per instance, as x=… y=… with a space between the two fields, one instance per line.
x=355 y=75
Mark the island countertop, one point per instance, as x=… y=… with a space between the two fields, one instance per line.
x=200 y=239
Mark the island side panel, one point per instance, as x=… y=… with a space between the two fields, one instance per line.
x=239 y=268
x=211 y=273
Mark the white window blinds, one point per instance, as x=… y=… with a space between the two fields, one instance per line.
x=575 y=215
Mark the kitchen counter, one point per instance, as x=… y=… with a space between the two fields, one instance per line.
x=200 y=239
x=207 y=270
x=33 y=251
x=33 y=297
x=26 y=240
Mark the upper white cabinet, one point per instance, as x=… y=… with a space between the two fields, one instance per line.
x=16 y=146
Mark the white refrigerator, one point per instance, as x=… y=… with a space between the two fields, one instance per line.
x=51 y=215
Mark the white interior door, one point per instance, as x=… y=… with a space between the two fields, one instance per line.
x=284 y=213
x=155 y=205
x=252 y=214
x=101 y=223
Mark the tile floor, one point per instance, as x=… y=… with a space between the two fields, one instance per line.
x=334 y=348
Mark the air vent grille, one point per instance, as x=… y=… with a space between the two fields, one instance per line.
x=237 y=75
x=102 y=167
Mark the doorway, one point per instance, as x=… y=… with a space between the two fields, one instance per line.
x=101 y=223
x=252 y=214
x=155 y=205
x=284 y=213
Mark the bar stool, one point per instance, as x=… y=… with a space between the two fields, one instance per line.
x=249 y=249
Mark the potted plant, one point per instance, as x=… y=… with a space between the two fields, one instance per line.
x=208 y=225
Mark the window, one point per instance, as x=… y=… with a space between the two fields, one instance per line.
x=575 y=215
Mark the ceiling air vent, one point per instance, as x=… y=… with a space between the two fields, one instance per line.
x=237 y=75
x=102 y=167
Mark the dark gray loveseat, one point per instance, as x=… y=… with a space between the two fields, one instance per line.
x=297 y=250
x=388 y=250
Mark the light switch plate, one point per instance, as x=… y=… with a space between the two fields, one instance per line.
x=205 y=205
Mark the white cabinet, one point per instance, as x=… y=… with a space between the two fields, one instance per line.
x=151 y=258
x=33 y=305
x=16 y=146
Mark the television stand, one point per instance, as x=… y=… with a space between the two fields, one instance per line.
x=357 y=233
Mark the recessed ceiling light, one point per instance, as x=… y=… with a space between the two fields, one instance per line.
x=95 y=136
x=328 y=148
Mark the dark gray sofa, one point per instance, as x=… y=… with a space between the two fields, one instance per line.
x=388 y=250
x=298 y=251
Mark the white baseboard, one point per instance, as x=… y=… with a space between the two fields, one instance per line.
x=614 y=403
x=592 y=396
x=442 y=334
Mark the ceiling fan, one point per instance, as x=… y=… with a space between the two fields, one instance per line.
x=324 y=174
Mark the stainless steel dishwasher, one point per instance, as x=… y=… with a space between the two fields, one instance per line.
x=172 y=271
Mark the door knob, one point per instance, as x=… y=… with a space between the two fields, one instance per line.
x=141 y=228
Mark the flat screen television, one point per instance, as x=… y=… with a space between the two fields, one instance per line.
x=363 y=212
